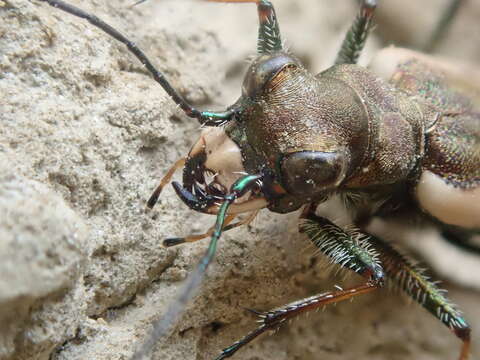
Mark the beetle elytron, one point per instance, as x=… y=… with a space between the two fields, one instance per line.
x=293 y=140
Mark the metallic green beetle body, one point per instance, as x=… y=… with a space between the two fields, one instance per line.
x=405 y=141
x=375 y=131
x=381 y=133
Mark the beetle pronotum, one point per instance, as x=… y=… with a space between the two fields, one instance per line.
x=372 y=142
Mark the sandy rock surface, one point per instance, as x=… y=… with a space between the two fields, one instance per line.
x=85 y=135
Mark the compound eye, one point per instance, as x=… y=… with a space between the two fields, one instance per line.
x=263 y=70
x=311 y=172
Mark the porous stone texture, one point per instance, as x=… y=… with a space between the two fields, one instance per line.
x=43 y=251
x=85 y=135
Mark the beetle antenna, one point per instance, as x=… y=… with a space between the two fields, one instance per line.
x=162 y=325
x=137 y=3
x=356 y=36
x=204 y=117
x=443 y=25
x=269 y=39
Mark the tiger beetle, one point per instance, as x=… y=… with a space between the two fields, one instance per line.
x=397 y=138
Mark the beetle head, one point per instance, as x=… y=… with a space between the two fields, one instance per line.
x=219 y=158
x=308 y=132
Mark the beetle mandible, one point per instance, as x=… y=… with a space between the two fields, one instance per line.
x=381 y=146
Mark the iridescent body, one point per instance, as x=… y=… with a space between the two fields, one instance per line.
x=387 y=140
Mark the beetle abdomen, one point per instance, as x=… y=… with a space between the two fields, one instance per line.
x=449 y=204
x=449 y=187
x=453 y=150
x=449 y=179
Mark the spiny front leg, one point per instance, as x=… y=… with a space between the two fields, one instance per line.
x=420 y=288
x=343 y=248
x=356 y=36
x=351 y=249
x=397 y=268
x=269 y=39
x=272 y=319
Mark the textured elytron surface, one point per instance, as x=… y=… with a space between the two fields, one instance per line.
x=80 y=116
x=453 y=141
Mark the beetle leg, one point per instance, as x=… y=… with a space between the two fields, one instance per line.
x=272 y=319
x=398 y=268
x=357 y=34
x=420 y=288
x=443 y=25
x=192 y=238
x=362 y=253
x=161 y=326
x=351 y=249
x=269 y=39
x=253 y=204
x=343 y=248
x=204 y=117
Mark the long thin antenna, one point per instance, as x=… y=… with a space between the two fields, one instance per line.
x=443 y=25
x=204 y=117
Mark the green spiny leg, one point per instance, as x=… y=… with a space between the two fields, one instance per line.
x=419 y=287
x=349 y=249
x=443 y=25
x=363 y=253
x=272 y=319
x=269 y=39
x=357 y=34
